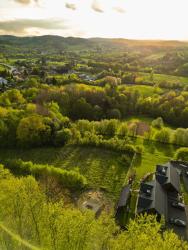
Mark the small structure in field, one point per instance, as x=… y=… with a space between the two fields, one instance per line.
x=95 y=201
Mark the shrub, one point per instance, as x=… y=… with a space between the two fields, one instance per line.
x=33 y=131
x=139 y=149
x=162 y=136
x=114 y=114
x=181 y=137
x=69 y=179
x=126 y=160
x=181 y=154
x=62 y=137
x=158 y=123
x=114 y=143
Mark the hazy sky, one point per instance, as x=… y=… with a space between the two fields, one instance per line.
x=137 y=19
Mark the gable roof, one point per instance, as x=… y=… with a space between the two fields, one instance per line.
x=124 y=196
x=167 y=175
x=152 y=197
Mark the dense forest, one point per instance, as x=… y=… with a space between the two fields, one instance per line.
x=81 y=116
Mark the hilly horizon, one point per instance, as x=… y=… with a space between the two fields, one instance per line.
x=93 y=125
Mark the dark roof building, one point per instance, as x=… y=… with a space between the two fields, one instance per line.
x=152 y=199
x=153 y=196
x=122 y=208
x=168 y=177
x=124 y=196
x=158 y=196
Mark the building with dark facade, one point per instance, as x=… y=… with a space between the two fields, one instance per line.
x=158 y=196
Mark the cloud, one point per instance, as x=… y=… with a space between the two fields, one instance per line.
x=119 y=9
x=20 y=26
x=97 y=7
x=26 y=2
x=70 y=6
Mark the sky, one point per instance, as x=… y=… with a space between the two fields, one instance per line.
x=132 y=19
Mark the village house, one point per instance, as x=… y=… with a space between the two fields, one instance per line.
x=162 y=196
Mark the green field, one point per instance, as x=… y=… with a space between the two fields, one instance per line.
x=145 y=90
x=102 y=168
x=162 y=77
x=154 y=153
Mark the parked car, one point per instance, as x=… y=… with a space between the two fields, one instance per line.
x=177 y=222
x=177 y=204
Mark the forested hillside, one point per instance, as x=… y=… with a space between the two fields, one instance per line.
x=79 y=120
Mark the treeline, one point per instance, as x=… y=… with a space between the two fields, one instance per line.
x=67 y=179
x=35 y=117
x=26 y=124
x=114 y=144
x=123 y=131
x=95 y=103
x=26 y=211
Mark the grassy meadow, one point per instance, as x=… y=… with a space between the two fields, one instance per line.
x=103 y=169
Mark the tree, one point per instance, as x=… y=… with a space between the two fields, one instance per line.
x=107 y=127
x=114 y=114
x=180 y=137
x=26 y=211
x=11 y=97
x=163 y=136
x=82 y=109
x=122 y=130
x=62 y=137
x=145 y=233
x=181 y=154
x=158 y=123
x=32 y=131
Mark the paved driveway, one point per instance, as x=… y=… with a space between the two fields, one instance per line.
x=182 y=168
x=177 y=214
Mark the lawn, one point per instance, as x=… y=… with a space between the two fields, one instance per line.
x=102 y=168
x=154 y=153
x=143 y=89
x=162 y=77
x=139 y=118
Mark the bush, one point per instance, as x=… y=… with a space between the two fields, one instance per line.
x=181 y=154
x=181 y=137
x=126 y=160
x=114 y=114
x=107 y=127
x=162 y=136
x=122 y=130
x=33 y=131
x=69 y=179
x=158 y=123
x=139 y=149
x=114 y=143
x=62 y=137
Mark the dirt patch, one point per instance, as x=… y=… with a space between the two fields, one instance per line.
x=96 y=201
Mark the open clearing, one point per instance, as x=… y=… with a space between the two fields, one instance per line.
x=103 y=169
